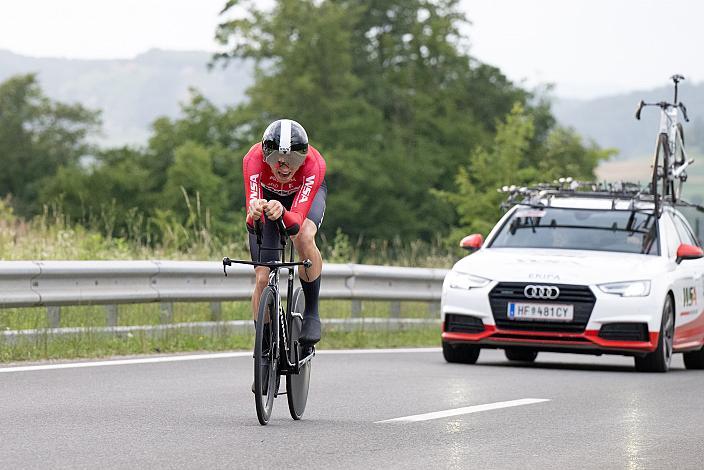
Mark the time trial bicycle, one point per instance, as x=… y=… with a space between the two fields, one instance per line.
x=670 y=160
x=277 y=350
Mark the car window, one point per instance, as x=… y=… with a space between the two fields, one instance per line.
x=670 y=235
x=579 y=229
x=683 y=231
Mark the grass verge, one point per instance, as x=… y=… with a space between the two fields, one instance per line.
x=91 y=345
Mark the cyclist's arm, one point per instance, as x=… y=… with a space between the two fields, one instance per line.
x=312 y=179
x=252 y=172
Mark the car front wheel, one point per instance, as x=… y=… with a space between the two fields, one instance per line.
x=520 y=354
x=659 y=360
x=460 y=353
x=694 y=359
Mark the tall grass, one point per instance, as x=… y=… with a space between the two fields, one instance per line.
x=52 y=235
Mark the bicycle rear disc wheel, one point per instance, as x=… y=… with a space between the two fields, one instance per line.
x=297 y=384
x=265 y=363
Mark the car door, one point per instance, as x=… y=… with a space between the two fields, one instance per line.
x=689 y=289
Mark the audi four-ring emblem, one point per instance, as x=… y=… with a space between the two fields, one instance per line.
x=541 y=292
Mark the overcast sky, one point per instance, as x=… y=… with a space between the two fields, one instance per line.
x=586 y=48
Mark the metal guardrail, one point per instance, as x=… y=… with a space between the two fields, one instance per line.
x=57 y=283
x=53 y=284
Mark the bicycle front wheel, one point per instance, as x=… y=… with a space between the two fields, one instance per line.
x=678 y=159
x=659 y=184
x=265 y=356
x=297 y=384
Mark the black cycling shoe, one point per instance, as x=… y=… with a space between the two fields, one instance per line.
x=306 y=350
x=310 y=331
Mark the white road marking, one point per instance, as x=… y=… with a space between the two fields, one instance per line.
x=197 y=357
x=377 y=351
x=465 y=410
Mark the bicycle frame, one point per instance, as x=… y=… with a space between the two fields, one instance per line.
x=286 y=366
x=671 y=140
x=669 y=123
x=283 y=317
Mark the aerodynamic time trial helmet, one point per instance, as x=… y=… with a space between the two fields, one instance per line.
x=285 y=140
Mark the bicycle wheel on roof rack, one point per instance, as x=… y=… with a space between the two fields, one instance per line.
x=659 y=186
x=678 y=159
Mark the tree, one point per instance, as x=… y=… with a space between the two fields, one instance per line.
x=107 y=192
x=37 y=137
x=511 y=159
x=224 y=134
x=387 y=92
x=191 y=188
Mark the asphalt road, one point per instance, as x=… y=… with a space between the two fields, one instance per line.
x=598 y=413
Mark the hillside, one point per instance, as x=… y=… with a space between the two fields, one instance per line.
x=610 y=120
x=131 y=93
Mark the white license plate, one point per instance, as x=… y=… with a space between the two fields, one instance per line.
x=544 y=312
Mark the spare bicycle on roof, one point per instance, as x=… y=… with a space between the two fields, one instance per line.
x=670 y=161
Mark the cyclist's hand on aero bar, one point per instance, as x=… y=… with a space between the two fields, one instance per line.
x=256 y=208
x=274 y=210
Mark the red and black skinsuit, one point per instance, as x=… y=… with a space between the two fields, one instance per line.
x=302 y=197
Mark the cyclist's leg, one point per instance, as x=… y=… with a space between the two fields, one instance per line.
x=262 y=278
x=305 y=245
x=270 y=238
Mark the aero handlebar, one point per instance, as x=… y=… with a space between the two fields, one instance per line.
x=662 y=105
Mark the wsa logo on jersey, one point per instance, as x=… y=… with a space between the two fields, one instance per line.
x=254 y=187
x=307 y=188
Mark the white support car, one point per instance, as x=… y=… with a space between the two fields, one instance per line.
x=593 y=273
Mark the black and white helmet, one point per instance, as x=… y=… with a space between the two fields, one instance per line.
x=285 y=139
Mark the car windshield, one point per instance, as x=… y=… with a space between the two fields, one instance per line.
x=579 y=229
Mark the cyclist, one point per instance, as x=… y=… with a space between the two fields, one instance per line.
x=284 y=178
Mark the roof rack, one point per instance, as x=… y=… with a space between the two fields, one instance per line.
x=569 y=187
x=683 y=203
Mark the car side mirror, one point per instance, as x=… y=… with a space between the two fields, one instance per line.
x=685 y=251
x=472 y=242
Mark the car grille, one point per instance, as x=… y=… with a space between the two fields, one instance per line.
x=624 y=332
x=581 y=297
x=463 y=324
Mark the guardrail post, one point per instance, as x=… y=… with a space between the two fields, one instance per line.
x=111 y=315
x=395 y=309
x=433 y=309
x=166 y=312
x=53 y=316
x=215 y=311
x=356 y=308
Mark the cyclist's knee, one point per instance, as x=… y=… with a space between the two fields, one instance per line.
x=262 y=277
x=306 y=235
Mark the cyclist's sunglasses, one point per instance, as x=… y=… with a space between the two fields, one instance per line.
x=293 y=157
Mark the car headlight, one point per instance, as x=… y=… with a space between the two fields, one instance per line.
x=627 y=289
x=458 y=280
